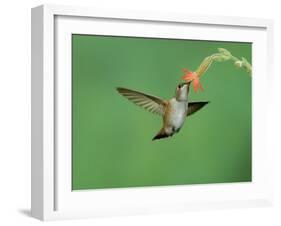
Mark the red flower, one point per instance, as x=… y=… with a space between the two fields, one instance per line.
x=193 y=77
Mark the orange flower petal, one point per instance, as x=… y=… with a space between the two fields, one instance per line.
x=193 y=77
x=188 y=78
x=201 y=87
x=196 y=85
x=185 y=70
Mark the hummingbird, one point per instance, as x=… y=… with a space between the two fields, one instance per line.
x=173 y=111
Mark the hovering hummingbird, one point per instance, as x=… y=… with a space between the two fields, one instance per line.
x=173 y=111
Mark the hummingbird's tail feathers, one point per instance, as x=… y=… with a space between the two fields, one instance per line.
x=161 y=134
x=195 y=106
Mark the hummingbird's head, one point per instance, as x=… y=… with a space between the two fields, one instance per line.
x=182 y=91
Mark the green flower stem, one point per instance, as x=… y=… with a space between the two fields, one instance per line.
x=221 y=56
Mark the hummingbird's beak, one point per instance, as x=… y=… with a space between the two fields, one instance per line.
x=184 y=83
x=187 y=83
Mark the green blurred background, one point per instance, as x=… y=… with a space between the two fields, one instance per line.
x=112 y=138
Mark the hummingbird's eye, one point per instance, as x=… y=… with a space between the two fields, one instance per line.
x=179 y=86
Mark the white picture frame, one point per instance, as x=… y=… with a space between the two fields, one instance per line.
x=52 y=197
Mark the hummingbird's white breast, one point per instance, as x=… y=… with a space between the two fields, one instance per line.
x=175 y=115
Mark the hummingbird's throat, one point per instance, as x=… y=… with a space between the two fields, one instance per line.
x=182 y=94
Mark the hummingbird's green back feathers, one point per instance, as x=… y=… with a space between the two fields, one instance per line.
x=195 y=106
x=151 y=103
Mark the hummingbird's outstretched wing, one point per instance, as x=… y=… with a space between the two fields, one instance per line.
x=195 y=106
x=151 y=103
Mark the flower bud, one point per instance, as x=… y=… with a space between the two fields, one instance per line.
x=238 y=63
x=224 y=52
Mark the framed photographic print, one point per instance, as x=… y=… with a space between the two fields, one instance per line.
x=136 y=112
